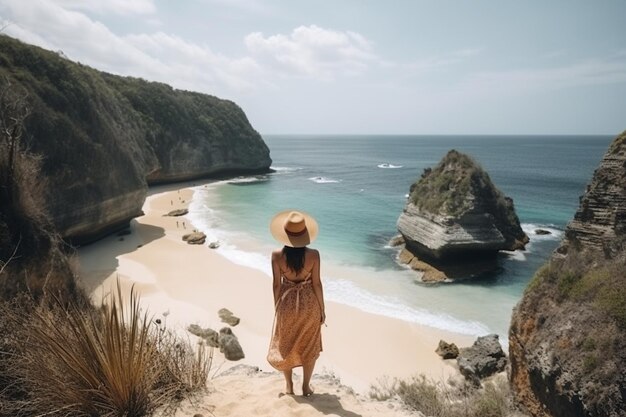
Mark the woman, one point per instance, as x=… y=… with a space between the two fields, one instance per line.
x=298 y=298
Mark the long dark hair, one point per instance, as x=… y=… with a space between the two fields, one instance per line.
x=295 y=258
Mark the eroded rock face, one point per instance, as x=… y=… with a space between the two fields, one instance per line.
x=454 y=212
x=567 y=340
x=104 y=138
x=600 y=221
x=484 y=358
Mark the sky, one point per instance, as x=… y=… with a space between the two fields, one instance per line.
x=360 y=66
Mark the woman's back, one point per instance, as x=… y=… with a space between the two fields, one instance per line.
x=311 y=257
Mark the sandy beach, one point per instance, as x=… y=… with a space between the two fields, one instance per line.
x=187 y=284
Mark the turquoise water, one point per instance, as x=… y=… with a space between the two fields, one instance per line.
x=342 y=181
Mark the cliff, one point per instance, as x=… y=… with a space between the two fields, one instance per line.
x=104 y=138
x=454 y=212
x=567 y=339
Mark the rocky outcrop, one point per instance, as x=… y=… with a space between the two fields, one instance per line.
x=210 y=336
x=103 y=138
x=567 y=340
x=484 y=358
x=228 y=317
x=226 y=340
x=177 y=213
x=195 y=238
x=229 y=345
x=447 y=350
x=455 y=212
x=600 y=222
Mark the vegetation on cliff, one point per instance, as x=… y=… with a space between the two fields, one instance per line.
x=32 y=258
x=568 y=333
x=454 y=186
x=185 y=128
x=102 y=138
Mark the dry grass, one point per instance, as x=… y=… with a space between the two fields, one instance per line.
x=435 y=399
x=112 y=361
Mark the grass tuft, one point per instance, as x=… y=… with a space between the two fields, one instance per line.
x=110 y=361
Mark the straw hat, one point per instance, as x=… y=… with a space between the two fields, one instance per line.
x=294 y=228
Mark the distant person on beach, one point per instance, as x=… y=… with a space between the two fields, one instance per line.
x=298 y=298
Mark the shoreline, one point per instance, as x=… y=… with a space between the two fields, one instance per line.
x=190 y=283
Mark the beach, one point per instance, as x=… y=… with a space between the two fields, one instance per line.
x=184 y=284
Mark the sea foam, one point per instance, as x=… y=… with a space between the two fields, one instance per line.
x=346 y=292
x=323 y=180
x=530 y=228
x=285 y=169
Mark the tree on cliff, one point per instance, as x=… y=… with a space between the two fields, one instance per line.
x=30 y=251
x=14 y=110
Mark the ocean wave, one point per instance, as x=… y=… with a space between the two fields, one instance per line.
x=324 y=180
x=515 y=255
x=531 y=230
x=285 y=169
x=345 y=292
x=248 y=180
x=388 y=166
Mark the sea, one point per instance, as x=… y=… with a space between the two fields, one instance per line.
x=356 y=187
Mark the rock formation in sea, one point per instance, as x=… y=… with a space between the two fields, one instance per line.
x=455 y=215
x=104 y=138
x=567 y=340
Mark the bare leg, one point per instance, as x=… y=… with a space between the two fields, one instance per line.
x=288 y=381
x=307 y=371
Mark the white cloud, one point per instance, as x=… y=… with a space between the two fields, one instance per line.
x=121 y=7
x=158 y=56
x=311 y=51
x=192 y=64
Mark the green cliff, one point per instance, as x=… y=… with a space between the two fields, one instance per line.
x=103 y=138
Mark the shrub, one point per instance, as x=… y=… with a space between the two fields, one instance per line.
x=110 y=361
x=448 y=400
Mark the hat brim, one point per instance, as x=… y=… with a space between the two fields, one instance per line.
x=277 y=229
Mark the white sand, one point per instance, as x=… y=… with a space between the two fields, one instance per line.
x=190 y=283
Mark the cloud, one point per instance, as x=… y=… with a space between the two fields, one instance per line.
x=157 y=56
x=191 y=63
x=46 y=24
x=311 y=51
x=121 y=7
x=67 y=26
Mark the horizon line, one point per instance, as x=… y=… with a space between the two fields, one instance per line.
x=440 y=134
